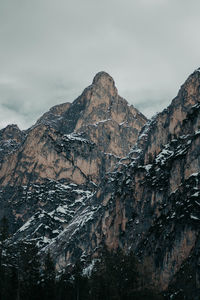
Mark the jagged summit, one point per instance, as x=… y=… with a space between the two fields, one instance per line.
x=98 y=113
x=104 y=81
x=102 y=77
x=75 y=141
x=11 y=131
x=11 y=127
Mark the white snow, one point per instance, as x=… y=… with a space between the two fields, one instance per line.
x=79 y=200
x=51 y=192
x=56 y=231
x=142 y=135
x=74 y=137
x=194 y=174
x=78 y=221
x=184 y=136
x=173 y=192
x=195 y=194
x=61 y=209
x=37 y=228
x=26 y=225
x=88 y=270
x=164 y=155
x=46 y=240
x=128 y=181
x=103 y=121
x=197 y=131
x=58 y=219
x=148 y=167
x=181 y=216
x=41 y=215
x=81 y=192
x=173 y=215
x=146 y=129
x=136 y=150
x=180 y=152
x=194 y=217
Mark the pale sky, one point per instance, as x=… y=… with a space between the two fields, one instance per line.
x=51 y=50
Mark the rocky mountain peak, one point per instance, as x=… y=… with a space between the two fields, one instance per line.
x=85 y=175
x=190 y=89
x=11 y=127
x=77 y=141
x=11 y=132
x=103 y=77
x=105 y=81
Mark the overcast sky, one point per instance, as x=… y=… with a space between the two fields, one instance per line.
x=50 y=51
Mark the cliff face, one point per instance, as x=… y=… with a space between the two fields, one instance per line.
x=61 y=144
x=75 y=184
x=10 y=139
x=73 y=143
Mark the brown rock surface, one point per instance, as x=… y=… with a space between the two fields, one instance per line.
x=100 y=120
x=151 y=205
x=148 y=201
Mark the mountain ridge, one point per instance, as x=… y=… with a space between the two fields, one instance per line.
x=130 y=183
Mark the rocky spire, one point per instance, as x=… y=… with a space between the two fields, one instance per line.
x=105 y=81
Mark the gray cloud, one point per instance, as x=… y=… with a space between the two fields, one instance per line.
x=51 y=50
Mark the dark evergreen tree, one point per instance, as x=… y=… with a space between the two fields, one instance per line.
x=10 y=283
x=80 y=282
x=48 y=278
x=114 y=276
x=3 y=236
x=4 y=229
x=28 y=271
x=65 y=287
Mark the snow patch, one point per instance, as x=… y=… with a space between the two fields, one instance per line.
x=26 y=225
x=148 y=167
x=195 y=194
x=88 y=270
x=194 y=218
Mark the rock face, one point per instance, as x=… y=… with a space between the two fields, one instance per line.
x=73 y=143
x=10 y=139
x=90 y=173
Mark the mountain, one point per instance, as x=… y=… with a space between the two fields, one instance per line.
x=97 y=172
x=63 y=157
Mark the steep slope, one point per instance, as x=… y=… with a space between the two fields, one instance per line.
x=98 y=118
x=101 y=114
x=151 y=202
x=11 y=138
x=146 y=197
x=73 y=143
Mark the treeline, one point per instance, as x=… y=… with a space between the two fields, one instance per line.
x=113 y=276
